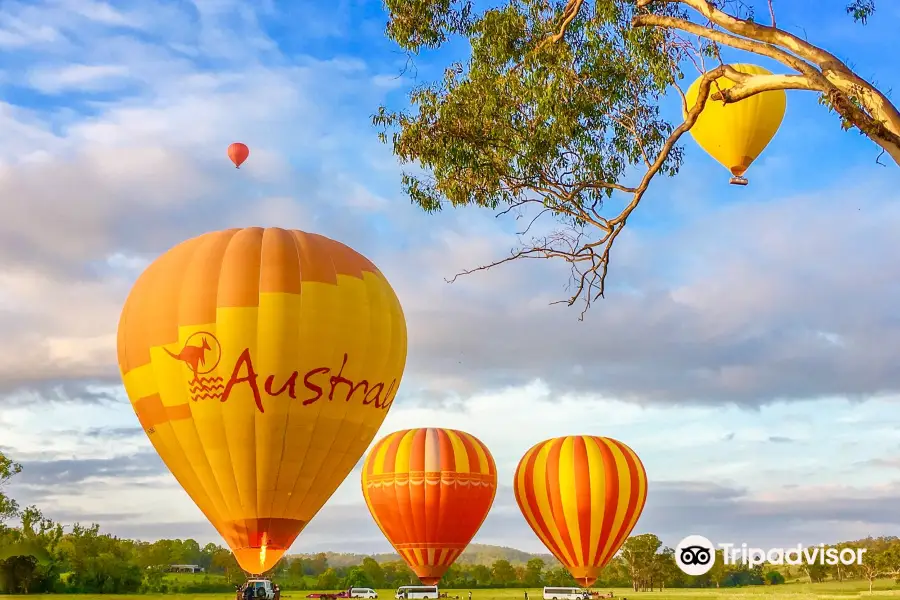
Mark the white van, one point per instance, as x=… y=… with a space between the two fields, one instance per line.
x=363 y=593
x=558 y=593
x=417 y=592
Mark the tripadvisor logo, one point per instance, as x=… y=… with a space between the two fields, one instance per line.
x=696 y=555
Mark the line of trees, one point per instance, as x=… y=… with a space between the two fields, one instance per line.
x=81 y=559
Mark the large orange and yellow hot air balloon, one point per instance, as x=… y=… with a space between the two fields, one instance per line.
x=735 y=134
x=261 y=363
x=582 y=495
x=429 y=491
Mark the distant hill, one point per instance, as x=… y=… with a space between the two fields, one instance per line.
x=474 y=554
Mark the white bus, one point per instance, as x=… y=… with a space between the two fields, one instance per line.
x=417 y=592
x=559 y=593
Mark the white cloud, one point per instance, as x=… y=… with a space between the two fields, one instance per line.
x=14 y=33
x=100 y=12
x=78 y=78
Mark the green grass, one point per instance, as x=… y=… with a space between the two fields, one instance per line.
x=831 y=590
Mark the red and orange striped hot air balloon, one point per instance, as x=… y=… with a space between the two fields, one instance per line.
x=429 y=490
x=582 y=495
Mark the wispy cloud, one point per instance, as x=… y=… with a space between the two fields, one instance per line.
x=78 y=78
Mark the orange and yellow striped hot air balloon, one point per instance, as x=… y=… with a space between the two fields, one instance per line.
x=261 y=363
x=582 y=495
x=429 y=491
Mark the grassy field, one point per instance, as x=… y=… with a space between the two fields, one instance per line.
x=792 y=591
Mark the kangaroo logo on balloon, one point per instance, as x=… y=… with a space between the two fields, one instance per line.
x=201 y=353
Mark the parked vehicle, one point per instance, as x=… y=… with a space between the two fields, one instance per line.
x=560 y=593
x=363 y=593
x=417 y=592
x=262 y=589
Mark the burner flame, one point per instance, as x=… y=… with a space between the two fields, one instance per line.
x=262 y=552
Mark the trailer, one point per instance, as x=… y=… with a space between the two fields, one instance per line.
x=330 y=595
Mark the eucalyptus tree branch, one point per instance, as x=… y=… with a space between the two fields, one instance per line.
x=857 y=101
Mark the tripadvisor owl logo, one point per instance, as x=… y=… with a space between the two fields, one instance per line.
x=695 y=555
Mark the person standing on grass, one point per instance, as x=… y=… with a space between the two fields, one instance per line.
x=470 y=594
x=526 y=594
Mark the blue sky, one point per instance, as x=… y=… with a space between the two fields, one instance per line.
x=751 y=364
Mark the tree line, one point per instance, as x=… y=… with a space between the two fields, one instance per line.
x=38 y=555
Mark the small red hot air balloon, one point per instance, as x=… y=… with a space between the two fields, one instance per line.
x=238 y=153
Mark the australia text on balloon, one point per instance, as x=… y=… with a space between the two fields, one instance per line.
x=315 y=381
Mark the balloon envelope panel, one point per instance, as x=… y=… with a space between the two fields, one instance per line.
x=582 y=496
x=261 y=363
x=429 y=490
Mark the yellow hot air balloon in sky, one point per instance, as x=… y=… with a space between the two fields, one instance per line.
x=261 y=363
x=736 y=133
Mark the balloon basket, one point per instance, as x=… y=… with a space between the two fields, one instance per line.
x=738 y=181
